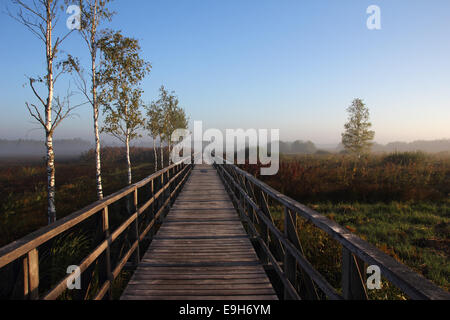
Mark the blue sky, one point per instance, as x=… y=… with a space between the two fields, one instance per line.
x=288 y=64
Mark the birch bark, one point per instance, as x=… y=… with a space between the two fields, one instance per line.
x=51 y=209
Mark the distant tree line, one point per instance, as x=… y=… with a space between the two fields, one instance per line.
x=112 y=83
x=298 y=147
x=36 y=148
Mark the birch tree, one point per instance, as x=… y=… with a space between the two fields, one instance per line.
x=93 y=14
x=121 y=72
x=163 y=104
x=358 y=137
x=40 y=17
x=178 y=120
x=168 y=117
x=153 y=125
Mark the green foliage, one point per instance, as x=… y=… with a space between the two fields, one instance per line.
x=122 y=65
x=93 y=12
x=154 y=124
x=124 y=118
x=165 y=115
x=414 y=233
x=357 y=138
x=66 y=250
x=120 y=74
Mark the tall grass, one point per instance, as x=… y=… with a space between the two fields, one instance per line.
x=395 y=177
x=23 y=188
x=398 y=202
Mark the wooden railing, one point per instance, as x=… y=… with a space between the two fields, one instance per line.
x=161 y=187
x=283 y=252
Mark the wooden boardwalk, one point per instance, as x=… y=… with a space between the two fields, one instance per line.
x=201 y=251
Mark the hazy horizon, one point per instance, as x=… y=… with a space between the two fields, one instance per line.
x=73 y=148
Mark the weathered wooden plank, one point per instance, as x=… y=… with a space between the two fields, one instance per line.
x=198 y=292
x=201 y=250
x=215 y=276
x=212 y=247
x=202 y=269
x=211 y=286
x=163 y=243
x=167 y=252
x=195 y=282
x=199 y=255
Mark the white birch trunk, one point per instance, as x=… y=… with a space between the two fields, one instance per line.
x=127 y=145
x=155 y=153
x=51 y=209
x=161 y=147
x=98 y=165
x=170 y=153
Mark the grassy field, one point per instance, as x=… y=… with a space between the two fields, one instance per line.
x=23 y=187
x=398 y=202
x=23 y=210
x=417 y=234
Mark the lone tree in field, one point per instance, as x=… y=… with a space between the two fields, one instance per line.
x=40 y=17
x=93 y=14
x=121 y=72
x=357 y=138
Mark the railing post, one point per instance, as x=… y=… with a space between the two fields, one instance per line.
x=31 y=275
x=172 y=174
x=291 y=232
x=109 y=276
x=26 y=289
x=160 y=199
x=166 y=193
x=264 y=228
x=153 y=207
x=353 y=277
x=137 y=255
x=290 y=264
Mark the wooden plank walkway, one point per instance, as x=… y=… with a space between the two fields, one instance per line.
x=201 y=251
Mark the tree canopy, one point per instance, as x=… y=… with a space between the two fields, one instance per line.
x=357 y=138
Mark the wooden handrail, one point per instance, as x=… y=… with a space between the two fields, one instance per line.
x=20 y=247
x=411 y=283
x=27 y=246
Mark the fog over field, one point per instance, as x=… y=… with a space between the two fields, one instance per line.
x=73 y=148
